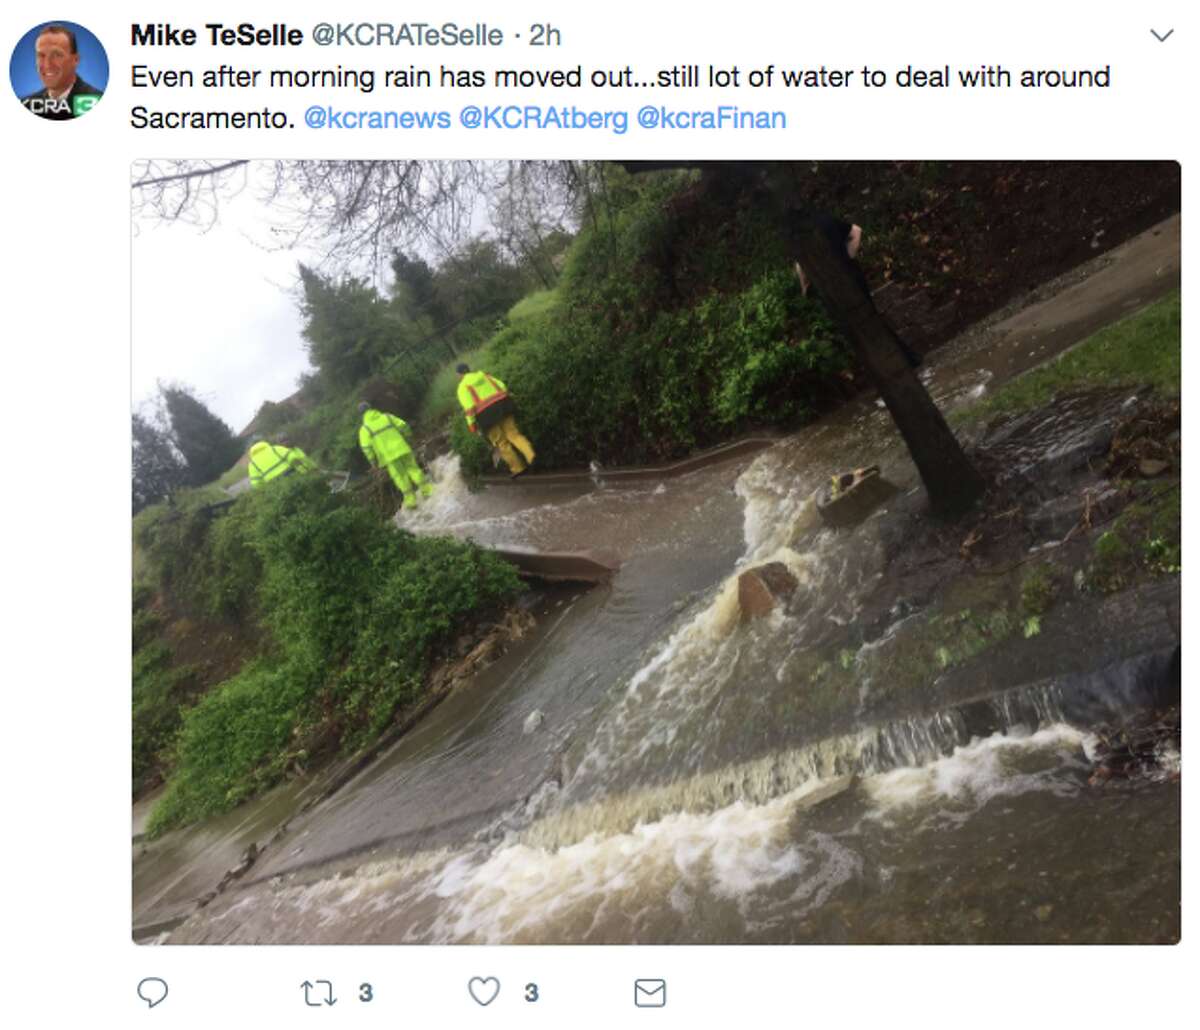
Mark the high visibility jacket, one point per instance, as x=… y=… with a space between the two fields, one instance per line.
x=480 y=393
x=267 y=462
x=383 y=437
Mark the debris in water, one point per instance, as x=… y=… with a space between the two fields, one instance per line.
x=964 y=549
x=533 y=720
x=851 y=496
x=1145 y=443
x=249 y=857
x=1143 y=749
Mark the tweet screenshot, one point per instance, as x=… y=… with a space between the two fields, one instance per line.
x=537 y=515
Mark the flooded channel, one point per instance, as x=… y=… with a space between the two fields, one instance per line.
x=648 y=767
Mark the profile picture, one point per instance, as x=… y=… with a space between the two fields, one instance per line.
x=59 y=70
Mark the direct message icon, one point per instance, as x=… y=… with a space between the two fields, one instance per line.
x=483 y=989
x=152 y=990
x=650 y=994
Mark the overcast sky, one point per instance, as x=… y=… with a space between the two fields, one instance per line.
x=216 y=311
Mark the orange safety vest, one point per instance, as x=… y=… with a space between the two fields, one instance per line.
x=470 y=400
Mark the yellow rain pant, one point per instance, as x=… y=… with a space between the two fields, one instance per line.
x=407 y=475
x=516 y=451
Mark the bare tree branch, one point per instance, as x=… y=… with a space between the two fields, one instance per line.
x=355 y=213
x=190 y=174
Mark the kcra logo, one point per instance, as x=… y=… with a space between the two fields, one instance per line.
x=58 y=70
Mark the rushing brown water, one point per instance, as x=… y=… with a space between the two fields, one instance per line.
x=649 y=768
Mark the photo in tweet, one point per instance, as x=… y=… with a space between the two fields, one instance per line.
x=656 y=552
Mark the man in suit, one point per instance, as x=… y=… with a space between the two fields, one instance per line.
x=65 y=95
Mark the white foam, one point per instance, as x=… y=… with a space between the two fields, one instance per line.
x=777 y=508
x=1169 y=760
x=446 y=506
x=612 y=884
x=698 y=643
x=976 y=772
x=732 y=853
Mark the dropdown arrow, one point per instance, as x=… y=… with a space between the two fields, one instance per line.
x=1164 y=37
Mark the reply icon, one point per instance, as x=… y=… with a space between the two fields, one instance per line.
x=152 y=990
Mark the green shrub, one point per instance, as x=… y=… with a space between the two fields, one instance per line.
x=146 y=626
x=233 y=743
x=272 y=417
x=351 y=610
x=231 y=564
x=535 y=306
x=159 y=694
x=661 y=335
x=475 y=453
x=168 y=539
x=1039 y=589
x=1145 y=539
x=1111 y=558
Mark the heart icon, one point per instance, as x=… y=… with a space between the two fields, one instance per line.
x=483 y=989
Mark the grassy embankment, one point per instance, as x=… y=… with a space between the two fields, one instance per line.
x=349 y=611
x=1140 y=350
x=1141 y=543
x=661 y=336
x=675 y=322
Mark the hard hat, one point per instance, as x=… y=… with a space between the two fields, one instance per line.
x=462 y=367
x=363 y=408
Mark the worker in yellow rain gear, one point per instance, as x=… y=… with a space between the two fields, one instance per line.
x=384 y=440
x=271 y=461
x=488 y=406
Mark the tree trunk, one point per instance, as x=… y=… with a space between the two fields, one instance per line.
x=950 y=479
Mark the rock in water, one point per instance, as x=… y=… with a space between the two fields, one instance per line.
x=761 y=589
x=533 y=720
